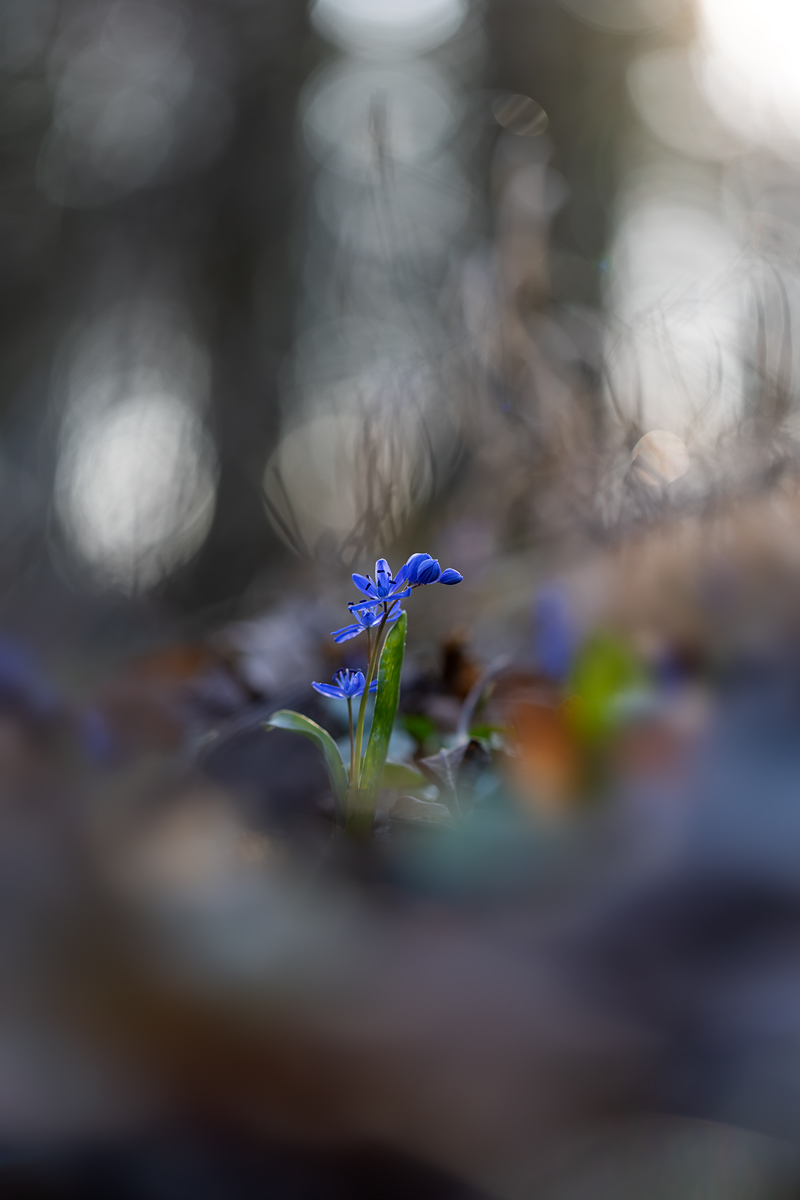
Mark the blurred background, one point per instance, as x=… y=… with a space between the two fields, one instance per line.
x=287 y=286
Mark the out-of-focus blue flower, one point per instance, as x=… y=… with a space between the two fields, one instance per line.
x=347 y=685
x=23 y=684
x=363 y=620
x=554 y=634
x=95 y=736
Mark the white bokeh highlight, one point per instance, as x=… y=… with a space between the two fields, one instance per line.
x=135 y=489
x=388 y=26
x=749 y=68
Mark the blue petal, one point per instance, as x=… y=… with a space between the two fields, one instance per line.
x=346 y=632
x=364 y=584
x=383 y=573
x=354 y=608
x=391 y=599
x=429 y=572
x=325 y=689
x=412 y=567
x=373 y=687
x=355 y=685
x=450 y=576
x=367 y=618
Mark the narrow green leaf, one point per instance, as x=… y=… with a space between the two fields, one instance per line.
x=297 y=723
x=386 y=701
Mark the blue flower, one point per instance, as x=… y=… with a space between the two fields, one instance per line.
x=383 y=587
x=382 y=590
x=419 y=571
x=363 y=620
x=347 y=685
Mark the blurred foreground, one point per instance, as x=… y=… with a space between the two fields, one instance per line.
x=581 y=978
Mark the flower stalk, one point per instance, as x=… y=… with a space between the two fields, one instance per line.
x=355 y=757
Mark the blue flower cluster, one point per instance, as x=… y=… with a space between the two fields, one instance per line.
x=382 y=606
x=419 y=571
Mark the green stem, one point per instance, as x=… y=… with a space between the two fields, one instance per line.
x=355 y=770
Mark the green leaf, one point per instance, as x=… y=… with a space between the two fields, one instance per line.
x=297 y=723
x=484 y=733
x=360 y=820
x=420 y=812
x=419 y=726
x=605 y=669
x=401 y=777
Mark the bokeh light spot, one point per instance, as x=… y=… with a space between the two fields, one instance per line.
x=357 y=115
x=135 y=489
x=750 y=69
x=519 y=114
x=391 y=26
x=660 y=457
x=623 y=16
x=667 y=95
x=332 y=473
